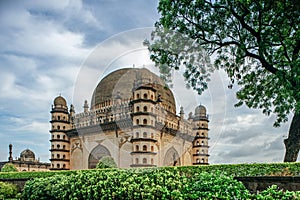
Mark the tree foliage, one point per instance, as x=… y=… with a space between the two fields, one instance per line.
x=9 y=167
x=256 y=42
x=8 y=190
x=106 y=162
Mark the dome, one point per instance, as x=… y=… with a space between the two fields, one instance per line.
x=200 y=111
x=27 y=155
x=60 y=101
x=120 y=83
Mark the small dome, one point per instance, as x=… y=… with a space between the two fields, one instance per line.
x=60 y=101
x=200 y=111
x=27 y=155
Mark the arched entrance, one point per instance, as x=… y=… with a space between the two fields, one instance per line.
x=97 y=153
x=172 y=157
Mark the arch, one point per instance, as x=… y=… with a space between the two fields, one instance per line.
x=136 y=161
x=171 y=157
x=145 y=96
x=145 y=121
x=137 y=148
x=145 y=135
x=145 y=109
x=144 y=147
x=96 y=154
x=137 y=109
x=144 y=160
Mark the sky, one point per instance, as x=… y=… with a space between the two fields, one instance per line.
x=48 y=48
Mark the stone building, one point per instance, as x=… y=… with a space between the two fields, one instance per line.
x=26 y=161
x=132 y=118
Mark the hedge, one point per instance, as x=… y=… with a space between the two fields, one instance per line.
x=237 y=170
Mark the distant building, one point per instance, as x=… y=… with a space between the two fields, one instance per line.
x=26 y=161
x=132 y=118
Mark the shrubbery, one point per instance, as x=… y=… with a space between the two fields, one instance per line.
x=135 y=184
x=106 y=162
x=8 y=190
x=9 y=167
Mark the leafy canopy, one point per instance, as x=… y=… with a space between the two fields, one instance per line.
x=106 y=162
x=256 y=42
x=9 y=167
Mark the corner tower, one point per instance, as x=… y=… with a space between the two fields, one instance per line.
x=60 y=144
x=200 y=131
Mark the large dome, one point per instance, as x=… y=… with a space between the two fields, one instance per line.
x=121 y=83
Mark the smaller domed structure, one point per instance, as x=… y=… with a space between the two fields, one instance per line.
x=60 y=101
x=27 y=155
x=200 y=111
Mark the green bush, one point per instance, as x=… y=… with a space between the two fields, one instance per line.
x=146 y=183
x=274 y=192
x=106 y=162
x=8 y=190
x=135 y=184
x=9 y=167
x=237 y=170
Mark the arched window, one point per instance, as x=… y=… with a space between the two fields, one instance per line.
x=202 y=160
x=64 y=156
x=137 y=134
x=145 y=121
x=152 y=148
x=137 y=96
x=64 y=146
x=52 y=155
x=58 y=156
x=58 y=127
x=144 y=134
x=137 y=109
x=145 y=109
x=64 y=137
x=58 y=136
x=144 y=160
x=137 y=121
x=202 y=142
x=197 y=152
x=52 y=146
x=152 y=161
x=58 y=146
x=136 y=161
x=64 y=127
x=144 y=148
x=58 y=117
x=64 y=165
x=202 y=133
x=137 y=148
x=197 y=143
x=197 y=161
x=197 y=134
x=58 y=165
x=145 y=96
x=152 y=135
x=152 y=97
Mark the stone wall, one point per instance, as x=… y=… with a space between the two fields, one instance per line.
x=259 y=183
x=20 y=182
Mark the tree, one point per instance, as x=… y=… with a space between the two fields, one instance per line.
x=256 y=42
x=9 y=167
x=106 y=162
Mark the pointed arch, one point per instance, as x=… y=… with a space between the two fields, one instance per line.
x=96 y=154
x=171 y=157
